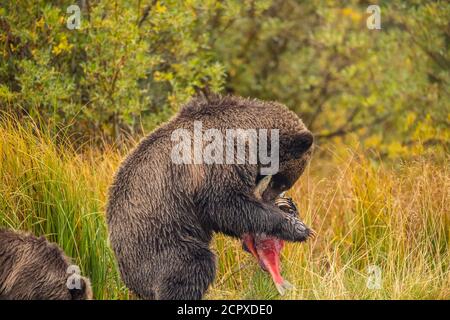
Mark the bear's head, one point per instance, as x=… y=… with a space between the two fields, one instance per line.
x=295 y=150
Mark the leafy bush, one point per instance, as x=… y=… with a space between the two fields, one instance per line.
x=124 y=63
x=131 y=65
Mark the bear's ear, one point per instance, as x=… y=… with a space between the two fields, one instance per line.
x=298 y=144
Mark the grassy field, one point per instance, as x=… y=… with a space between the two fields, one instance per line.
x=391 y=215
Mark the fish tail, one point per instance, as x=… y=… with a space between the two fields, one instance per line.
x=283 y=286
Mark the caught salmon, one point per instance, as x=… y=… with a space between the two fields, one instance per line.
x=267 y=249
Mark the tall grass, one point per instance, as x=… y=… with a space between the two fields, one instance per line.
x=393 y=219
x=51 y=190
x=367 y=213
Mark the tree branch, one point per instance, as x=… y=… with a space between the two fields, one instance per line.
x=146 y=12
x=344 y=131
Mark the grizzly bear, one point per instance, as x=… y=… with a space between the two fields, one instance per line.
x=31 y=268
x=162 y=212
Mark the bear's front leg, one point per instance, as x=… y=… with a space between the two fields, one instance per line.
x=239 y=214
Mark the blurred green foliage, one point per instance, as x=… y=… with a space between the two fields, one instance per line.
x=133 y=63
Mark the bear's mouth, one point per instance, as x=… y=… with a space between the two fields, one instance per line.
x=271 y=189
x=277 y=185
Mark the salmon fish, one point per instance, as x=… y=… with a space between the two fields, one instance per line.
x=267 y=249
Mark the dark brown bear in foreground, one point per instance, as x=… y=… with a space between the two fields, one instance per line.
x=162 y=214
x=31 y=268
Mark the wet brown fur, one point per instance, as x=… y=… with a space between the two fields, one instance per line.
x=32 y=268
x=161 y=216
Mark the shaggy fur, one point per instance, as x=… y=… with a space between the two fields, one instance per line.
x=31 y=268
x=161 y=215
